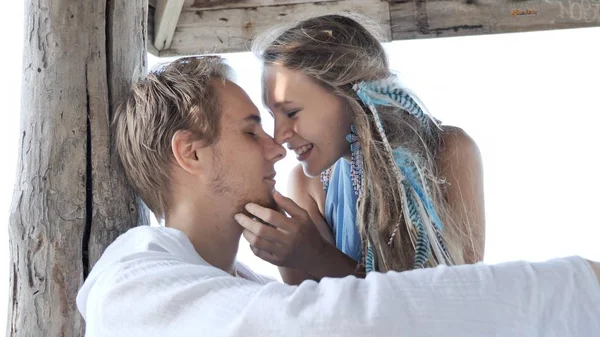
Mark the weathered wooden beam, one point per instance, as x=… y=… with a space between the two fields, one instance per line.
x=202 y=5
x=70 y=198
x=223 y=4
x=166 y=17
x=444 y=18
x=195 y=5
x=218 y=26
x=232 y=30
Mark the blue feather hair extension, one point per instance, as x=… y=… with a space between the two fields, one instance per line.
x=422 y=247
x=369 y=259
x=421 y=218
x=389 y=92
x=407 y=164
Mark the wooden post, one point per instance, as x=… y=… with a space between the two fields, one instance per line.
x=70 y=198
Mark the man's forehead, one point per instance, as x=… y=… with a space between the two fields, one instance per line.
x=237 y=106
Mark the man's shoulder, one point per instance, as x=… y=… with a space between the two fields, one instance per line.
x=160 y=243
x=148 y=239
x=138 y=253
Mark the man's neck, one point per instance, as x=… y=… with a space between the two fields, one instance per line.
x=212 y=231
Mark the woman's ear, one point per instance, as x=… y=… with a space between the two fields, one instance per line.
x=190 y=153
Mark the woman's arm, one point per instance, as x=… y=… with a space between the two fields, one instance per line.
x=460 y=164
x=298 y=191
x=308 y=193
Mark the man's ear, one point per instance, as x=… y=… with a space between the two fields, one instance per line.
x=190 y=153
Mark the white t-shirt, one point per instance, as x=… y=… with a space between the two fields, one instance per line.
x=151 y=282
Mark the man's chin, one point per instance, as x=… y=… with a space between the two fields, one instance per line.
x=266 y=201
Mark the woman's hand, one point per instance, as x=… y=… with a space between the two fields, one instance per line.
x=292 y=242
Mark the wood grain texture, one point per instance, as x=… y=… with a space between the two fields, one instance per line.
x=218 y=26
x=232 y=30
x=70 y=198
x=445 y=18
x=166 y=17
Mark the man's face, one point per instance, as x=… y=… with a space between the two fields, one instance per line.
x=243 y=169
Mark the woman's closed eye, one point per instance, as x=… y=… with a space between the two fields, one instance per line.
x=292 y=113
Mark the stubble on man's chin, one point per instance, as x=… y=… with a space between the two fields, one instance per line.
x=240 y=198
x=267 y=202
x=220 y=186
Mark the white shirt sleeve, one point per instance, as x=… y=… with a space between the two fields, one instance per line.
x=155 y=293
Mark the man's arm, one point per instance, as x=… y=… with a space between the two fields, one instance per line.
x=155 y=294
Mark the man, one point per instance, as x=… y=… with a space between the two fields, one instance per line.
x=193 y=148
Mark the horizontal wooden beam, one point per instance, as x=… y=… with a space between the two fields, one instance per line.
x=195 y=5
x=445 y=18
x=212 y=26
x=232 y=30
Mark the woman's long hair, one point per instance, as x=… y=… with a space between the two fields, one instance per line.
x=337 y=51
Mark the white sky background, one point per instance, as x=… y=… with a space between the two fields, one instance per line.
x=530 y=100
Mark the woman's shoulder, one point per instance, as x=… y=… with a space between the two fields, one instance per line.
x=302 y=185
x=452 y=133
x=460 y=164
x=457 y=143
x=300 y=180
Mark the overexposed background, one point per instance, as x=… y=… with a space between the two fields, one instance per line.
x=530 y=101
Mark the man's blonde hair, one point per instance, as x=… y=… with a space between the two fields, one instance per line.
x=172 y=97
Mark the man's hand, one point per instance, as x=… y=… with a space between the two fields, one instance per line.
x=292 y=242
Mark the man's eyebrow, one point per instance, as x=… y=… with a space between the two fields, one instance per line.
x=253 y=118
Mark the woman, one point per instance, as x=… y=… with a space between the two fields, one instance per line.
x=378 y=178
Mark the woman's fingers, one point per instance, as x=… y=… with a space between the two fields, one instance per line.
x=259 y=229
x=265 y=255
x=290 y=207
x=269 y=216
x=260 y=243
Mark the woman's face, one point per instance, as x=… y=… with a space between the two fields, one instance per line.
x=308 y=118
